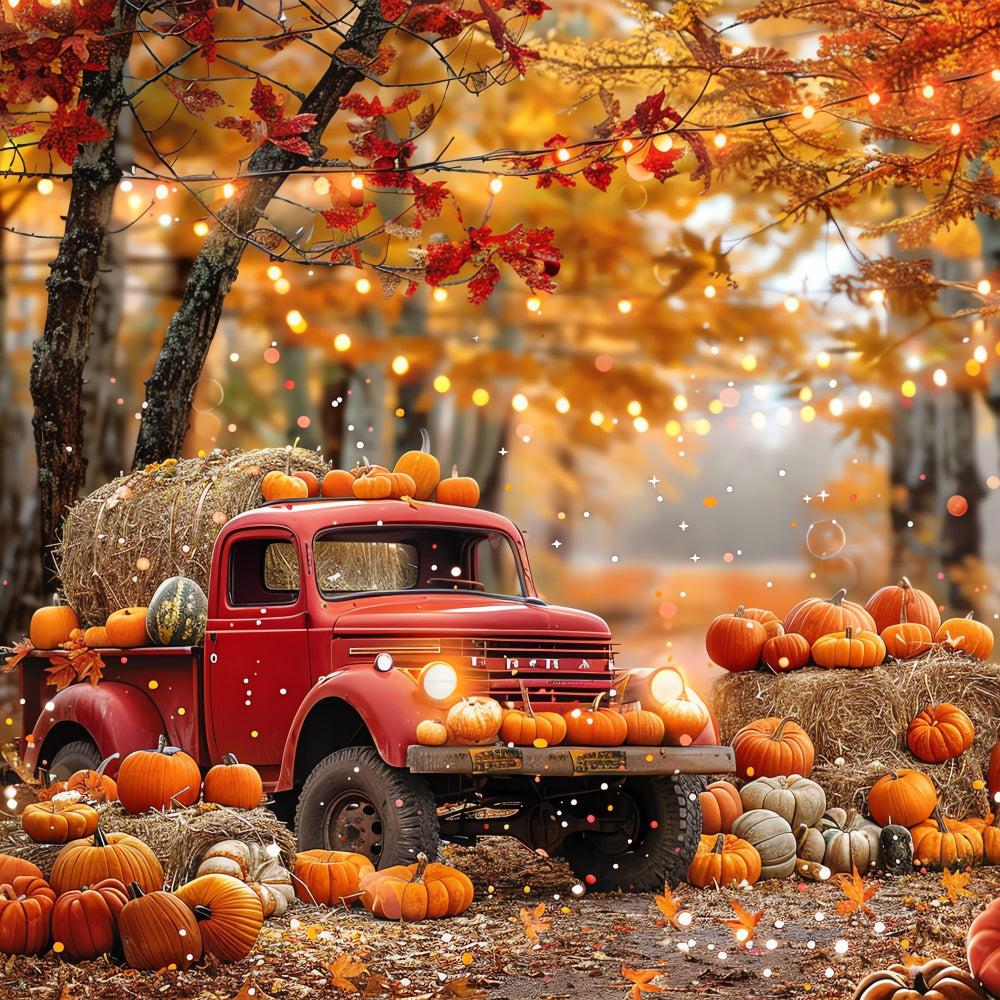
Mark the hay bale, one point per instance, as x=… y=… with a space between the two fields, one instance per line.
x=857 y=720
x=120 y=542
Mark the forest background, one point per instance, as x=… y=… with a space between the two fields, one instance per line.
x=725 y=387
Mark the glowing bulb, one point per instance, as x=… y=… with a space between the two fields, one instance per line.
x=296 y=321
x=228 y=190
x=710 y=292
x=680 y=403
x=836 y=407
x=627 y=145
x=321 y=185
x=955 y=128
x=984 y=287
x=45 y=186
x=940 y=377
x=161 y=192
x=480 y=397
x=563 y=155
x=823 y=360
x=400 y=365
x=624 y=306
x=748 y=362
x=634 y=408
x=273 y=272
x=928 y=92
x=362 y=286
x=442 y=383
x=440 y=294
x=865 y=399
x=663 y=142
x=596 y=418
x=342 y=342
x=165 y=220
x=808 y=112
x=808 y=414
x=980 y=354
x=282 y=286
x=201 y=229
x=496 y=185
x=876 y=296
x=533 y=304
x=805 y=394
x=908 y=389
x=792 y=304
x=357 y=182
x=873 y=99
x=719 y=140
x=562 y=405
x=519 y=402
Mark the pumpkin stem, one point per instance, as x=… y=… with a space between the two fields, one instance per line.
x=848 y=633
x=104 y=763
x=425 y=441
x=720 y=839
x=739 y=612
x=7 y=892
x=597 y=701
x=939 y=819
x=135 y=890
x=161 y=743
x=202 y=912
x=776 y=735
x=526 y=701
x=418 y=875
x=100 y=840
x=837 y=598
x=229 y=758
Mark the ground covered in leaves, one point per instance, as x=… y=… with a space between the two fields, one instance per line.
x=531 y=934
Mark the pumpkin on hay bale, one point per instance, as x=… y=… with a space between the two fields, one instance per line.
x=858 y=720
x=169 y=515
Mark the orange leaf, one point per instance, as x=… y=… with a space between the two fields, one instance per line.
x=61 y=673
x=745 y=925
x=670 y=908
x=857 y=891
x=954 y=884
x=534 y=921
x=343 y=969
x=18 y=652
x=641 y=981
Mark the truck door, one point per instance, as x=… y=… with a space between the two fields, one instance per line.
x=256 y=648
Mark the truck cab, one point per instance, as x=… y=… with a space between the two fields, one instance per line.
x=334 y=628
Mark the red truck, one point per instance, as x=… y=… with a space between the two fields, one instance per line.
x=334 y=628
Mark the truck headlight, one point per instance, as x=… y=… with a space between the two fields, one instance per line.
x=665 y=684
x=438 y=681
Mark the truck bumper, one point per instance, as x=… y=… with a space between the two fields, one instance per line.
x=570 y=761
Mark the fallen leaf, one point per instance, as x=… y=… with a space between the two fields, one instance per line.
x=251 y=991
x=954 y=884
x=534 y=922
x=461 y=988
x=670 y=908
x=745 y=925
x=343 y=969
x=641 y=981
x=17 y=653
x=857 y=891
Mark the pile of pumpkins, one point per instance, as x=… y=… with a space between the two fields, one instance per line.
x=898 y=622
x=416 y=476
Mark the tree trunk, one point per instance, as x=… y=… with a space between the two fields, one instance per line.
x=189 y=335
x=61 y=353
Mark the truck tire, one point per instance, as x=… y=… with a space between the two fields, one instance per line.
x=80 y=755
x=661 y=825
x=354 y=801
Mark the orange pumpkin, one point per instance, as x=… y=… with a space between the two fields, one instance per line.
x=401 y=485
x=228 y=912
x=460 y=491
x=94 y=785
x=158 y=929
x=277 y=485
x=773 y=747
x=311 y=481
x=816 y=616
x=52 y=625
x=96 y=637
x=233 y=784
x=644 y=728
x=337 y=483
x=907 y=639
x=85 y=921
x=432 y=732
x=982 y=947
x=852 y=649
x=721 y=803
x=771 y=622
x=940 y=732
x=25 y=915
x=422 y=466
x=723 y=859
x=735 y=641
x=158 y=779
x=127 y=627
x=788 y=651
x=944 y=843
x=113 y=855
x=902 y=602
x=683 y=719
x=904 y=796
x=372 y=487
x=58 y=821
x=596 y=726
x=967 y=635
x=527 y=728
x=416 y=892
x=330 y=878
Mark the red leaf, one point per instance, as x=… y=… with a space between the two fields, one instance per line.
x=598 y=173
x=68 y=128
x=195 y=98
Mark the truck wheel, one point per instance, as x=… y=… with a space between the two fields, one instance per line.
x=354 y=801
x=80 y=755
x=660 y=824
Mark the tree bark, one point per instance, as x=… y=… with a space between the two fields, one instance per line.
x=60 y=354
x=189 y=334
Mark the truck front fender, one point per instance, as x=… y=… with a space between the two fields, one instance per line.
x=119 y=718
x=388 y=704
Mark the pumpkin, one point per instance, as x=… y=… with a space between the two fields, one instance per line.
x=11 y=866
x=401 y=484
x=799 y=800
x=158 y=779
x=944 y=843
x=330 y=878
x=771 y=747
x=772 y=836
x=644 y=728
x=475 y=719
x=902 y=602
x=432 y=732
x=788 y=651
x=256 y=864
x=817 y=616
x=967 y=635
x=422 y=466
x=416 y=892
x=94 y=784
x=988 y=828
x=810 y=844
x=96 y=637
x=907 y=639
x=177 y=613
x=461 y=491
x=126 y=627
x=25 y=915
x=683 y=718
x=337 y=483
x=723 y=859
x=372 y=487
x=940 y=732
x=158 y=929
x=113 y=855
x=85 y=921
x=771 y=622
x=720 y=805
x=311 y=481
x=228 y=912
x=279 y=485
x=57 y=822
x=525 y=727
x=903 y=796
x=936 y=978
x=735 y=641
x=52 y=625
x=982 y=947
x=596 y=726
x=853 y=846
x=233 y=784
x=857 y=649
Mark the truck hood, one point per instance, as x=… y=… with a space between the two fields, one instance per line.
x=453 y=613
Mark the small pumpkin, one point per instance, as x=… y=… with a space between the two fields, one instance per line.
x=936 y=978
x=475 y=719
x=49 y=626
x=233 y=784
x=810 y=844
x=126 y=627
x=907 y=639
x=11 y=866
x=525 y=727
x=902 y=602
x=372 y=487
x=817 y=616
x=113 y=855
x=25 y=915
x=337 y=483
x=771 y=622
x=721 y=803
x=644 y=728
x=734 y=641
x=853 y=846
x=416 y=892
x=57 y=822
x=724 y=860
x=855 y=649
x=966 y=635
x=771 y=747
x=228 y=912
x=258 y=865
x=460 y=491
x=982 y=947
x=94 y=784
x=402 y=485
x=422 y=466
x=432 y=732
x=159 y=778
x=96 y=637
x=330 y=878
x=799 y=800
x=85 y=921
x=596 y=726
x=904 y=796
x=158 y=929
x=940 y=732
x=788 y=651
x=277 y=485
x=772 y=836
x=941 y=842
x=684 y=718
x=310 y=479
x=177 y=613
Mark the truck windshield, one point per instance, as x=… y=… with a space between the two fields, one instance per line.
x=350 y=561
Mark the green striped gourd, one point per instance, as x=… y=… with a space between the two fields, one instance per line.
x=177 y=613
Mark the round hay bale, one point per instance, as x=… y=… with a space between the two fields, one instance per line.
x=857 y=720
x=123 y=540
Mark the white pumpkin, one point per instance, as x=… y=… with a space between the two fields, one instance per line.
x=256 y=864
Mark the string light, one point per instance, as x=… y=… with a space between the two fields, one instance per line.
x=663 y=142
x=228 y=190
x=808 y=112
x=296 y=321
x=519 y=402
x=792 y=304
x=440 y=294
x=362 y=286
x=563 y=155
x=710 y=292
x=984 y=287
x=480 y=397
x=928 y=91
x=624 y=306
x=201 y=228
x=441 y=383
x=955 y=128
x=719 y=140
x=873 y=99
x=876 y=296
x=908 y=388
x=627 y=146
x=273 y=272
x=980 y=354
x=45 y=186
x=533 y=304
x=562 y=405
x=400 y=365
x=342 y=342
x=496 y=185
